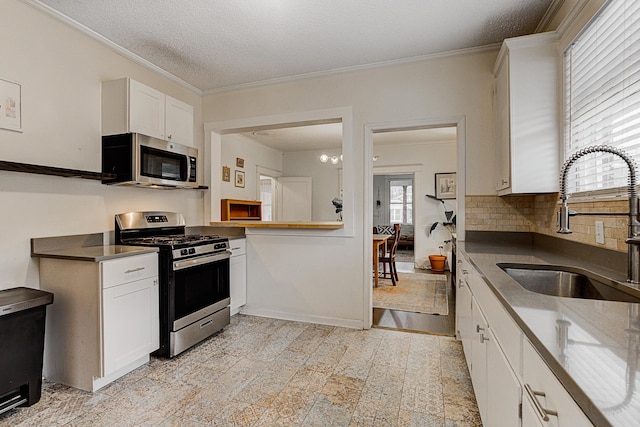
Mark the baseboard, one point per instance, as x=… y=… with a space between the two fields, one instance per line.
x=330 y=321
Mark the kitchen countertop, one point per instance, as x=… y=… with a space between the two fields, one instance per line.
x=95 y=253
x=599 y=363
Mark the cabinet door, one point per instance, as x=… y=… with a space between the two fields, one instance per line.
x=130 y=323
x=146 y=110
x=503 y=126
x=479 y=358
x=503 y=388
x=178 y=121
x=529 y=416
x=238 y=282
x=464 y=325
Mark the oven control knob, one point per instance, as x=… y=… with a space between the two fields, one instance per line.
x=192 y=250
x=183 y=252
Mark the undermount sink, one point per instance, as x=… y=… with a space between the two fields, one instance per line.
x=568 y=282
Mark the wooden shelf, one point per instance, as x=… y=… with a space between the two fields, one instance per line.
x=245 y=210
x=49 y=170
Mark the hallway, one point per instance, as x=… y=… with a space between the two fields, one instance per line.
x=417 y=322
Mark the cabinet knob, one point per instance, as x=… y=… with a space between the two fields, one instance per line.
x=169 y=136
x=504 y=182
x=478 y=329
x=483 y=339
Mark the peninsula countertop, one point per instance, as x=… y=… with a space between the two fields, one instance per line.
x=312 y=225
x=599 y=364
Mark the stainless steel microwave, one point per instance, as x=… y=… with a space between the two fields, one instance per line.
x=137 y=159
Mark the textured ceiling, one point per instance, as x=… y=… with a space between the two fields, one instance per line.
x=217 y=45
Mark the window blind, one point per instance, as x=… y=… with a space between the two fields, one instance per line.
x=602 y=96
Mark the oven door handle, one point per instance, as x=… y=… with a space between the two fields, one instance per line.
x=207 y=259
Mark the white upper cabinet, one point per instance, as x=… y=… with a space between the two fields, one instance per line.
x=526 y=106
x=178 y=121
x=130 y=106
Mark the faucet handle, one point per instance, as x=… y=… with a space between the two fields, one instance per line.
x=635 y=240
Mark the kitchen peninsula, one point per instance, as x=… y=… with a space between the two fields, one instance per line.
x=312 y=225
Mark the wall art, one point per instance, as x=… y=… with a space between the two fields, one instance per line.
x=10 y=105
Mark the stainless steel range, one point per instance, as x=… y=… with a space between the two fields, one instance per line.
x=194 y=277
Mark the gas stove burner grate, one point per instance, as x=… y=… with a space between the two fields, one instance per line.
x=173 y=239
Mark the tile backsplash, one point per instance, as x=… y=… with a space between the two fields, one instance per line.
x=537 y=213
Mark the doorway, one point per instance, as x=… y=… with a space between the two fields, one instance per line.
x=406 y=161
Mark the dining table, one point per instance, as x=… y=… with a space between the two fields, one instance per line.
x=379 y=241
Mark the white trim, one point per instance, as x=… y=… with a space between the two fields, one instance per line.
x=458 y=52
x=321 y=320
x=548 y=16
x=367 y=223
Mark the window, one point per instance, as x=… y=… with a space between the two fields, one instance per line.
x=267 y=185
x=401 y=201
x=602 y=96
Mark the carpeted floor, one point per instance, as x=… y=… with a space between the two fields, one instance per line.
x=415 y=292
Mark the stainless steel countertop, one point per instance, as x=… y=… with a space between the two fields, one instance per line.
x=599 y=365
x=95 y=253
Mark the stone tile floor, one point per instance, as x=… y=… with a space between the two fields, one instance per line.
x=267 y=372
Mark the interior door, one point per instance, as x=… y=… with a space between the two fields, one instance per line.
x=294 y=198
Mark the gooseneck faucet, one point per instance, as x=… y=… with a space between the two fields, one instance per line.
x=633 y=239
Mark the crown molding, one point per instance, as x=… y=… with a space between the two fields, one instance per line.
x=281 y=80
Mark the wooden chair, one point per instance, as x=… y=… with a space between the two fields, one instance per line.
x=390 y=257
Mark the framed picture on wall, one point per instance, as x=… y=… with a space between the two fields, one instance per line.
x=10 y=105
x=446 y=185
x=240 y=179
x=239 y=162
x=226 y=174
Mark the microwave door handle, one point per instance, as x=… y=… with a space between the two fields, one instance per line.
x=192 y=262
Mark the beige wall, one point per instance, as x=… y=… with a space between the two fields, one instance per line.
x=60 y=70
x=325 y=277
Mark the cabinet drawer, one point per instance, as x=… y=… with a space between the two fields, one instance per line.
x=545 y=391
x=123 y=270
x=238 y=246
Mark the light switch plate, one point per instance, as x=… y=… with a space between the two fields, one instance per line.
x=600 y=232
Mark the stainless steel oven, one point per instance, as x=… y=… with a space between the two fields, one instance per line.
x=194 y=277
x=199 y=291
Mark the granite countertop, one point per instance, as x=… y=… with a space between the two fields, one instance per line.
x=598 y=364
x=95 y=253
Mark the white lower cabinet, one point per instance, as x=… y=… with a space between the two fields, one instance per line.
x=479 y=358
x=513 y=385
x=238 y=274
x=129 y=323
x=463 y=315
x=104 y=321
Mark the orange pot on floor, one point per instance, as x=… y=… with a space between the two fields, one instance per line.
x=437 y=262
